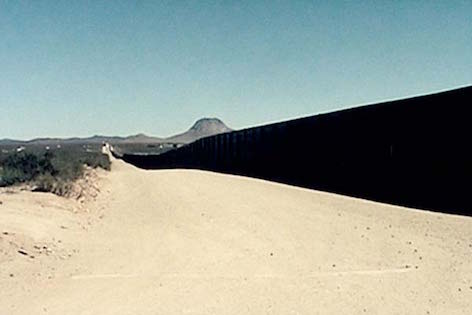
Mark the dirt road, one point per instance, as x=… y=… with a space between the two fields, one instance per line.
x=194 y=242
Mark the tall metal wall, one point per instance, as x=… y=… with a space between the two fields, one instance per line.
x=414 y=152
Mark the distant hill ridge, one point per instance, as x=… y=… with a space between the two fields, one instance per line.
x=201 y=128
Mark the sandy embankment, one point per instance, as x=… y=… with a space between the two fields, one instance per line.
x=194 y=242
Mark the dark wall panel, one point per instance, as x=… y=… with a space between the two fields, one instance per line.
x=414 y=152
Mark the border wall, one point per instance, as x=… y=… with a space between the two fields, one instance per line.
x=414 y=152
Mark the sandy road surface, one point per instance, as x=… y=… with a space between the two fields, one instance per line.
x=193 y=242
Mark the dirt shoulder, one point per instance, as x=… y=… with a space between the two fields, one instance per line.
x=38 y=231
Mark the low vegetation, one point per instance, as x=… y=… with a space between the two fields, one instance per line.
x=49 y=171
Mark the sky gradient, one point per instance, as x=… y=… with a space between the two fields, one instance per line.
x=79 y=68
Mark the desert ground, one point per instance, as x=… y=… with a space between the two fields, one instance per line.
x=196 y=242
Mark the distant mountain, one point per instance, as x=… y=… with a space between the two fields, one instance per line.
x=202 y=128
x=139 y=138
x=8 y=142
x=93 y=139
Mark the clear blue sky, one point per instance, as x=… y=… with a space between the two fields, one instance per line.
x=78 y=68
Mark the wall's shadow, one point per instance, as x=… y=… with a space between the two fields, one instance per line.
x=414 y=152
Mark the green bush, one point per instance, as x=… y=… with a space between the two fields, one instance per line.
x=96 y=161
x=22 y=167
x=50 y=172
x=10 y=176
